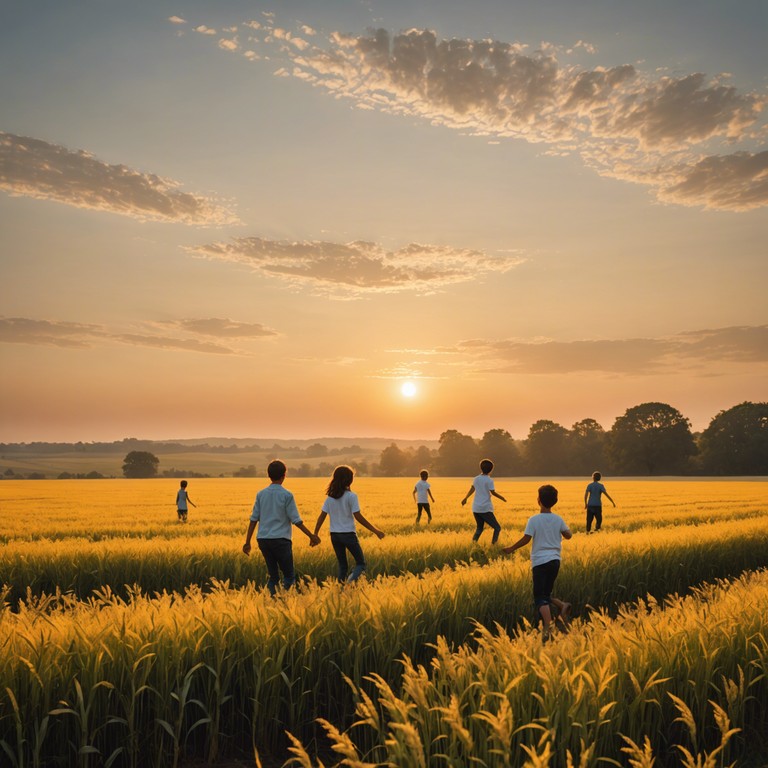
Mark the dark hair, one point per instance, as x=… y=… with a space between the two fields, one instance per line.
x=486 y=466
x=276 y=470
x=340 y=482
x=596 y=476
x=423 y=474
x=183 y=483
x=548 y=496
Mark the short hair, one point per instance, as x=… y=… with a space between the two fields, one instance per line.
x=276 y=470
x=548 y=496
x=596 y=476
x=423 y=474
x=183 y=483
x=486 y=466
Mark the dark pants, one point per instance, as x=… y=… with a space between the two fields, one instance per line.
x=486 y=518
x=596 y=514
x=544 y=576
x=341 y=543
x=278 y=555
x=423 y=506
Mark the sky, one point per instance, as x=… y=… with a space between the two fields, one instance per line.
x=257 y=218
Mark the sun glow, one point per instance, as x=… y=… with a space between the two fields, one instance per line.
x=408 y=389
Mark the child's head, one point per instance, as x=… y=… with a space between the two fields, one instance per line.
x=183 y=483
x=276 y=470
x=340 y=481
x=547 y=496
x=596 y=476
x=486 y=466
x=423 y=474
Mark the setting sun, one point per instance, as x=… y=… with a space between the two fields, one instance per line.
x=408 y=389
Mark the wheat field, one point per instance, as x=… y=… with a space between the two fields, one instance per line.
x=129 y=639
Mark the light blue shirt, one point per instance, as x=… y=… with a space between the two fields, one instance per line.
x=276 y=512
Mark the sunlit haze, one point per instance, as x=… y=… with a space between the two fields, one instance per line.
x=390 y=219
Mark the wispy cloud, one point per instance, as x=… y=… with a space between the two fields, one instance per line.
x=60 y=333
x=685 y=351
x=34 y=168
x=177 y=20
x=663 y=131
x=352 y=269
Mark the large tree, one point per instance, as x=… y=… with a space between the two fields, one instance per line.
x=498 y=446
x=140 y=464
x=393 y=462
x=586 y=447
x=651 y=439
x=458 y=454
x=736 y=441
x=546 y=449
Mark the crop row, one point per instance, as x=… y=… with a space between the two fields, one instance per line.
x=143 y=679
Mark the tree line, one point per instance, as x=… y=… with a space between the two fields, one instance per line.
x=648 y=439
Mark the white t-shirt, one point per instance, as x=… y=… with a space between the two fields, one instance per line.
x=341 y=511
x=546 y=530
x=481 y=501
x=422 y=492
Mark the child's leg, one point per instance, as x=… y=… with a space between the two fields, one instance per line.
x=353 y=545
x=590 y=516
x=480 y=525
x=490 y=518
x=340 y=550
x=284 y=555
x=418 y=514
x=428 y=510
x=598 y=518
x=265 y=545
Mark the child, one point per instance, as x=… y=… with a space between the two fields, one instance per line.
x=421 y=495
x=546 y=530
x=593 y=503
x=275 y=511
x=182 y=499
x=343 y=508
x=482 y=506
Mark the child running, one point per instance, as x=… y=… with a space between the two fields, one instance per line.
x=593 y=502
x=182 y=500
x=546 y=530
x=421 y=495
x=343 y=508
x=482 y=506
x=275 y=513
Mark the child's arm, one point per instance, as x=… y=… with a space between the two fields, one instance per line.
x=430 y=495
x=191 y=502
x=497 y=495
x=251 y=528
x=469 y=493
x=605 y=493
x=314 y=539
x=586 y=496
x=372 y=528
x=320 y=520
x=414 y=493
x=521 y=542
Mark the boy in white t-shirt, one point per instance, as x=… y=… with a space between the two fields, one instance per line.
x=546 y=530
x=482 y=506
x=421 y=495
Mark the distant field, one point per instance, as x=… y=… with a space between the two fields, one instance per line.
x=141 y=641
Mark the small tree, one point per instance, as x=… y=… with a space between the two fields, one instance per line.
x=140 y=464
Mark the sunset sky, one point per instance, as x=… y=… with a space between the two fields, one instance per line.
x=262 y=218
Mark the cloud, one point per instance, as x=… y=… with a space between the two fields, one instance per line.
x=203 y=30
x=58 y=333
x=360 y=267
x=177 y=20
x=34 y=168
x=22 y=330
x=229 y=45
x=638 y=356
x=224 y=328
x=659 y=130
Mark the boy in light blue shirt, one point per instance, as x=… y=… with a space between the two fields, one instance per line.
x=275 y=513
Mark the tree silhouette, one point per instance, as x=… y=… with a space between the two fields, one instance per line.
x=586 y=447
x=736 y=441
x=500 y=448
x=651 y=439
x=140 y=464
x=546 y=448
x=458 y=454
